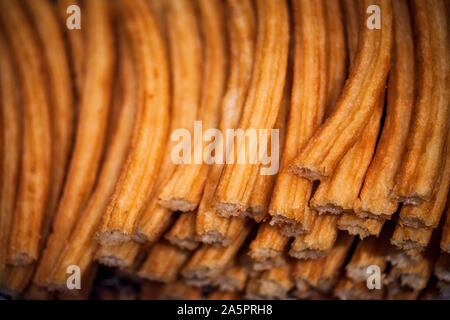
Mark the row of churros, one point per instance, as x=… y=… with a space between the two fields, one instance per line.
x=357 y=89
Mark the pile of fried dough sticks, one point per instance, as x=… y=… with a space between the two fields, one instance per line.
x=358 y=90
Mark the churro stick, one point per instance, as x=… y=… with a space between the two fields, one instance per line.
x=164 y=262
x=261 y=107
x=352 y=17
x=82 y=244
x=91 y=131
x=318 y=242
x=208 y=262
x=122 y=256
x=35 y=171
x=61 y=97
x=336 y=53
x=368 y=252
x=75 y=43
x=185 y=63
x=350 y=290
x=184 y=188
x=178 y=290
x=323 y=273
x=233 y=279
x=358 y=226
x=340 y=191
x=408 y=238
x=267 y=249
x=323 y=152
x=374 y=200
x=271 y=284
x=416 y=275
x=182 y=233
x=289 y=204
x=402 y=257
x=144 y=159
x=428 y=214
x=10 y=119
x=445 y=238
x=425 y=156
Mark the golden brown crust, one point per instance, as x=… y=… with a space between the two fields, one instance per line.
x=122 y=256
x=164 y=262
x=233 y=279
x=323 y=273
x=211 y=227
x=374 y=200
x=81 y=246
x=343 y=128
x=36 y=154
x=184 y=44
x=352 y=15
x=423 y=161
x=208 y=262
x=271 y=284
x=318 y=242
x=267 y=249
x=10 y=119
x=178 y=290
x=91 y=131
x=289 y=203
x=262 y=104
x=182 y=232
x=339 y=192
x=445 y=238
x=143 y=161
x=408 y=238
x=358 y=226
x=184 y=188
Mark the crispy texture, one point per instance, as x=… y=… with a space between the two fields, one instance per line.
x=318 y=242
x=336 y=53
x=357 y=226
x=182 y=233
x=61 y=97
x=210 y=226
x=323 y=152
x=409 y=238
x=91 y=131
x=402 y=257
x=445 y=238
x=185 y=63
x=425 y=156
x=75 y=43
x=428 y=213
x=262 y=103
x=323 y=273
x=289 y=204
x=352 y=17
x=163 y=262
x=208 y=263
x=233 y=279
x=184 y=188
x=82 y=244
x=122 y=256
x=266 y=250
x=36 y=154
x=271 y=284
x=10 y=119
x=350 y=290
x=143 y=161
x=340 y=191
x=374 y=200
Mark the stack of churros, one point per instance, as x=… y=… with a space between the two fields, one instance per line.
x=225 y=149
